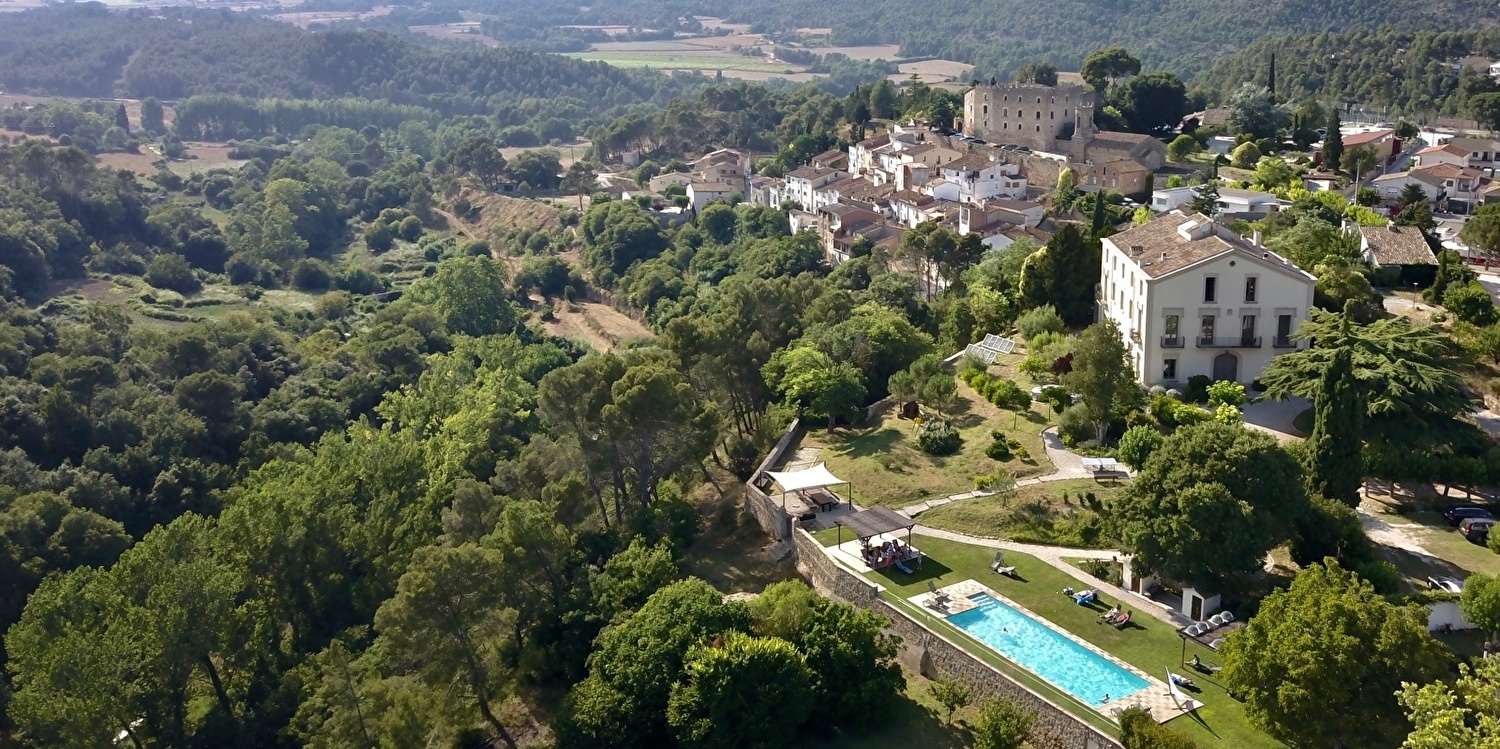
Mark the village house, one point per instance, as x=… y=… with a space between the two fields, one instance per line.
x=1479 y=153
x=661 y=182
x=803 y=183
x=1192 y=298
x=1441 y=183
x=1401 y=249
x=1111 y=146
x=1124 y=176
x=978 y=177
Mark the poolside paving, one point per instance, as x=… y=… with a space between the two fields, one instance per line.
x=1156 y=698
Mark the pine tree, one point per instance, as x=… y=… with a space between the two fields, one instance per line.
x=1207 y=200
x=1334 y=463
x=1333 y=143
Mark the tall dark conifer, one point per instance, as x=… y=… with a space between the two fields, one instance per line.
x=1271 y=77
x=1334 y=462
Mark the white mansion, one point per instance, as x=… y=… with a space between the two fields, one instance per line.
x=1193 y=298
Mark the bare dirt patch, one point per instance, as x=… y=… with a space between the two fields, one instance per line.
x=601 y=325
x=304 y=19
x=726 y=42
x=752 y=75
x=940 y=68
x=143 y=163
x=567 y=153
x=497 y=213
x=719 y=23
x=867 y=52
x=456 y=32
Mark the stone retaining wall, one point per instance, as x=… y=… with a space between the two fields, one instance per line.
x=773 y=520
x=935 y=656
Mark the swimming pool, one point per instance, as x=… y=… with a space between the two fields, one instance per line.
x=1046 y=652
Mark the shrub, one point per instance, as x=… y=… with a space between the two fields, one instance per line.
x=1197 y=389
x=1059 y=398
x=380 y=237
x=171 y=271
x=1470 y=303
x=1227 y=414
x=1245 y=156
x=310 y=274
x=410 y=228
x=1007 y=394
x=1075 y=425
x=1002 y=724
x=1000 y=450
x=1186 y=415
x=1381 y=574
x=1225 y=392
x=938 y=437
x=1137 y=444
x=1039 y=320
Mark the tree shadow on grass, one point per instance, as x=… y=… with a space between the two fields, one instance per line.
x=930 y=570
x=874 y=443
x=904 y=723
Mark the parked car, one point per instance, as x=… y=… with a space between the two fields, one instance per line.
x=1445 y=583
x=1476 y=530
x=1457 y=513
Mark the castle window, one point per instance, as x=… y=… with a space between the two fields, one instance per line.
x=1039 y=128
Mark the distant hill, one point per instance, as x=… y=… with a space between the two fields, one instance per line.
x=86 y=50
x=1410 y=73
x=1184 y=36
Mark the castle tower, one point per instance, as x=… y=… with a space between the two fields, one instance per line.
x=1083 y=125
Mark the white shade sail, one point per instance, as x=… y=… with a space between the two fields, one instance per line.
x=807 y=478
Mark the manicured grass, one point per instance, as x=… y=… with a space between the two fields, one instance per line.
x=1149 y=644
x=1033 y=514
x=888 y=469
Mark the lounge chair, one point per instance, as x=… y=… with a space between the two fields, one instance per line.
x=1006 y=571
x=999 y=561
x=937 y=595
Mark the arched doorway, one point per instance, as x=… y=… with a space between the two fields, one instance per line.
x=1227 y=367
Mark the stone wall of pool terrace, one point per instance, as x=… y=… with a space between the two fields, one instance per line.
x=934 y=655
x=772 y=519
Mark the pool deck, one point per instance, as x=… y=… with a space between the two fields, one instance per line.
x=1155 y=698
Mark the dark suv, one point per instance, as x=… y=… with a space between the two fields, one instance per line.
x=1456 y=514
x=1476 y=530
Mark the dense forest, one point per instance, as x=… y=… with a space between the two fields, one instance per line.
x=86 y=50
x=1183 y=36
x=1412 y=73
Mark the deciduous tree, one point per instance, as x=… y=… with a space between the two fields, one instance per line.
x=1320 y=665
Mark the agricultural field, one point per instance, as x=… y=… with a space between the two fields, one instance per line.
x=706 y=54
x=456 y=32
x=932 y=72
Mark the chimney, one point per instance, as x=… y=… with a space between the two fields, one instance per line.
x=1256 y=237
x=1137 y=249
x=1164 y=256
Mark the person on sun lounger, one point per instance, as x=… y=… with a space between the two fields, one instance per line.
x=1183 y=681
x=1110 y=616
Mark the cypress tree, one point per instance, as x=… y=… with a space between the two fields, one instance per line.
x=1098 y=224
x=1335 y=466
x=1333 y=143
x=121 y=119
x=1271 y=77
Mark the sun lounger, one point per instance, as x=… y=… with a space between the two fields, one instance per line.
x=1006 y=571
x=937 y=595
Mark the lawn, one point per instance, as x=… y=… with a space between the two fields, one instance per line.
x=1153 y=646
x=1052 y=513
x=889 y=470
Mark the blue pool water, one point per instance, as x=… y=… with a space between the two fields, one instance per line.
x=1047 y=653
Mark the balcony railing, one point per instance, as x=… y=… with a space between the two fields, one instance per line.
x=1240 y=341
x=1283 y=341
x=1173 y=341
